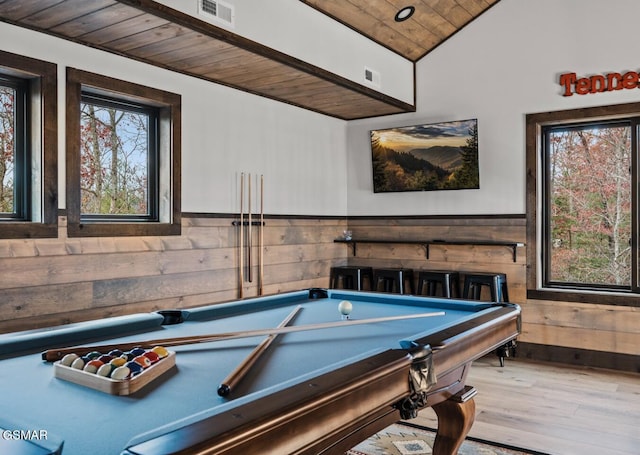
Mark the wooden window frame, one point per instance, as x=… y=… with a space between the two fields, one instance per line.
x=41 y=219
x=535 y=206
x=169 y=166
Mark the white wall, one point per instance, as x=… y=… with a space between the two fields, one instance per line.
x=224 y=132
x=296 y=29
x=503 y=66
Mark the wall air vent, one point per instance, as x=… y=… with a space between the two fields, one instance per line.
x=218 y=11
x=371 y=77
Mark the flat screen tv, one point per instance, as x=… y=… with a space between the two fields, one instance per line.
x=437 y=156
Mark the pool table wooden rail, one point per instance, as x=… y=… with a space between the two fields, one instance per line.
x=352 y=402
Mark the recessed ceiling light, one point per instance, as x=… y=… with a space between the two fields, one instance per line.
x=405 y=13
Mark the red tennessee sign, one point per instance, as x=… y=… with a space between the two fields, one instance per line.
x=598 y=83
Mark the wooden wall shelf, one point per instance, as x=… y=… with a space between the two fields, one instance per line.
x=427 y=243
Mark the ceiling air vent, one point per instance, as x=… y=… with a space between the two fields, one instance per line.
x=219 y=11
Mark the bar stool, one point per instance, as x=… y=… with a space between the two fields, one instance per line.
x=449 y=283
x=351 y=276
x=497 y=283
x=393 y=280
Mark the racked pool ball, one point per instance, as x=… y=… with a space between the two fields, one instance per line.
x=119 y=373
x=152 y=356
x=135 y=352
x=134 y=367
x=78 y=363
x=143 y=361
x=68 y=359
x=119 y=361
x=161 y=351
x=115 y=353
x=92 y=366
x=105 y=370
x=93 y=355
x=105 y=358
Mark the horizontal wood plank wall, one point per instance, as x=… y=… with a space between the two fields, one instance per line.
x=46 y=282
x=603 y=328
x=470 y=258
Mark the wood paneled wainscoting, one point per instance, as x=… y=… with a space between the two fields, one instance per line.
x=46 y=282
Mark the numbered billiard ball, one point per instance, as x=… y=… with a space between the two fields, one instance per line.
x=134 y=367
x=119 y=373
x=135 y=352
x=152 y=356
x=105 y=358
x=93 y=355
x=161 y=351
x=105 y=370
x=119 y=361
x=143 y=361
x=68 y=359
x=92 y=366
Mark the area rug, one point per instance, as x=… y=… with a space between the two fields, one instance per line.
x=401 y=439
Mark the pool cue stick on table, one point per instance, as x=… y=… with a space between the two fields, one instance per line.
x=261 y=242
x=249 y=237
x=241 y=259
x=230 y=382
x=52 y=355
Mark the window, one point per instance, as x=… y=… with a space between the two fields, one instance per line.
x=28 y=147
x=14 y=172
x=123 y=158
x=118 y=160
x=583 y=205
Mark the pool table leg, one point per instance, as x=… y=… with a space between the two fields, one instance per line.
x=455 y=417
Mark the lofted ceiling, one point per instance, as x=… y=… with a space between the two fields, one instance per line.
x=150 y=32
x=431 y=22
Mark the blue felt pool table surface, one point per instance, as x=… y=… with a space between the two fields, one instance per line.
x=93 y=422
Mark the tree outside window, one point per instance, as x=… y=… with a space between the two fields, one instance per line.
x=117 y=153
x=7 y=148
x=583 y=179
x=589 y=216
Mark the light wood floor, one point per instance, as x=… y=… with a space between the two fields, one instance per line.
x=554 y=409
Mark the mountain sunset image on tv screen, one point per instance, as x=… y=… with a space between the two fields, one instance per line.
x=438 y=156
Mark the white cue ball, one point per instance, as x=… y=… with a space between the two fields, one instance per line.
x=345 y=307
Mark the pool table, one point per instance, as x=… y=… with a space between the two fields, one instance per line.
x=312 y=392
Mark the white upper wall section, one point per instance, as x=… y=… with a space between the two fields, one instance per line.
x=501 y=67
x=292 y=27
x=225 y=132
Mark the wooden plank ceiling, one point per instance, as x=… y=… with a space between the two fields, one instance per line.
x=432 y=22
x=153 y=33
